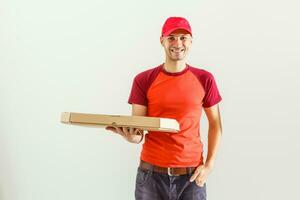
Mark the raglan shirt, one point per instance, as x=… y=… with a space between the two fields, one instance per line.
x=181 y=96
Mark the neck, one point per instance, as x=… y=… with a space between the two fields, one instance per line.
x=174 y=66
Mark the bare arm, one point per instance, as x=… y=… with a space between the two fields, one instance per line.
x=138 y=110
x=214 y=138
x=214 y=133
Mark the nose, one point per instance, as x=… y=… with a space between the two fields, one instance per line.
x=177 y=42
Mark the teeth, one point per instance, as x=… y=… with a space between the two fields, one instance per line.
x=176 y=50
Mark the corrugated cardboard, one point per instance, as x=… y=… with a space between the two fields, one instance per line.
x=102 y=120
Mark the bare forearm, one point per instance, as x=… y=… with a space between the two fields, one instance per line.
x=214 y=139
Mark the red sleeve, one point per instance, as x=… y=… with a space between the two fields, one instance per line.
x=138 y=94
x=207 y=80
x=212 y=95
x=140 y=86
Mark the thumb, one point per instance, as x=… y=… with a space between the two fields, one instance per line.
x=111 y=128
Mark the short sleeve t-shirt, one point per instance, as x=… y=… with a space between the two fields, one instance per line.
x=181 y=96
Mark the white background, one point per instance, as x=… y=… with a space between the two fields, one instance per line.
x=82 y=56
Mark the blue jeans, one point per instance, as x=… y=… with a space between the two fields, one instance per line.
x=156 y=186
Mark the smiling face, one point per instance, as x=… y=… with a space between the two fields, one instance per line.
x=177 y=44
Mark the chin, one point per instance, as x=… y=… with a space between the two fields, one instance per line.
x=177 y=59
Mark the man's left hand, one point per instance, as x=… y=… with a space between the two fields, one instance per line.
x=200 y=174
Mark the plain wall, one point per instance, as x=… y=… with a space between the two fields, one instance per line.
x=82 y=56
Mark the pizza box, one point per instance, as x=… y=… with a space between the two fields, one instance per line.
x=103 y=120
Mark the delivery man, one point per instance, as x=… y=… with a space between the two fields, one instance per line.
x=172 y=165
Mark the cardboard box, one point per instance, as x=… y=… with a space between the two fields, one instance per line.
x=102 y=120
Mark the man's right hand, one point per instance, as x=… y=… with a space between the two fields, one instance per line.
x=133 y=135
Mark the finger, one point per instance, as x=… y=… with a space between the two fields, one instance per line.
x=125 y=131
x=200 y=183
x=137 y=132
x=110 y=128
x=196 y=173
x=201 y=179
x=194 y=176
x=131 y=130
x=118 y=130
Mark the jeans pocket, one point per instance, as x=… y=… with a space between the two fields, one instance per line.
x=142 y=176
x=202 y=187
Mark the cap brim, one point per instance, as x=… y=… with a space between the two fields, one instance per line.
x=175 y=28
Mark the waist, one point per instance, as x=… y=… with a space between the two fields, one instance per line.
x=171 y=171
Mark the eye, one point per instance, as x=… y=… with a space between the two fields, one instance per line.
x=171 y=38
x=183 y=38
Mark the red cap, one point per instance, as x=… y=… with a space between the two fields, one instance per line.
x=174 y=23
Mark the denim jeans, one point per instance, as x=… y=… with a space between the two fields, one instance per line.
x=156 y=186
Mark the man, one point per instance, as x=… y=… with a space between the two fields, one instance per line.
x=172 y=165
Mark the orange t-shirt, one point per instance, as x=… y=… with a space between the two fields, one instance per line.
x=180 y=96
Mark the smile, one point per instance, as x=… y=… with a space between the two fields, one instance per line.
x=177 y=51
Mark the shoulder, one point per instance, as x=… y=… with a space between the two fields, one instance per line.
x=201 y=74
x=147 y=75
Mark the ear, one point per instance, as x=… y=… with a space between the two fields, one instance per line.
x=161 y=40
